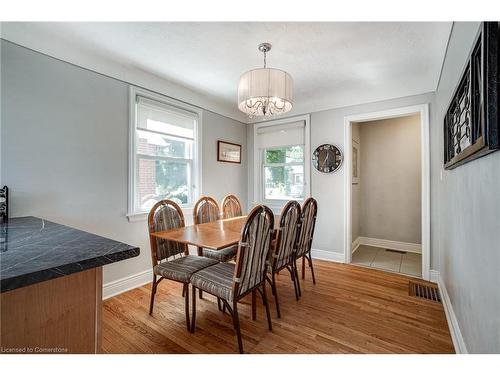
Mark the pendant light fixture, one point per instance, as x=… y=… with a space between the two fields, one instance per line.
x=265 y=92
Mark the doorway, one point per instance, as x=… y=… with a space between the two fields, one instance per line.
x=385 y=232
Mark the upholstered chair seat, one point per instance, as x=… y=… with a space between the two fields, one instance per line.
x=181 y=269
x=223 y=255
x=216 y=280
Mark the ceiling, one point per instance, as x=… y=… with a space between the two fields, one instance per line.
x=333 y=64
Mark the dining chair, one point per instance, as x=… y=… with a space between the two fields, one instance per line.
x=231 y=282
x=308 y=215
x=171 y=259
x=230 y=207
x=207 y=210
x=282 y=253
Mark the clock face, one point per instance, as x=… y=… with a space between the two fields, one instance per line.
x=327 y=158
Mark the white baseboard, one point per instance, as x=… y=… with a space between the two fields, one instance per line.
x=434 y=276
x=327 y=255
x=388 y=244
x=355 y=244
x=116 y=287
x=456 y=334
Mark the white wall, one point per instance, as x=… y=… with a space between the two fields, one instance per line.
x=328 y=189
x=220 y=179
x=391 y=182
x=59 y=46
x=64 y=150
x=468 y=225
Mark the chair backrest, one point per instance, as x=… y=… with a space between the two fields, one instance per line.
x=286 y=238
x=165 y=215
x=206 y=210
x=230 y=207
x=307 y=223
x=253 y=250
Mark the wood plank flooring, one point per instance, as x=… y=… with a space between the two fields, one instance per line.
x=350 y=310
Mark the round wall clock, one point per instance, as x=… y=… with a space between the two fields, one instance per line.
x=327 y=158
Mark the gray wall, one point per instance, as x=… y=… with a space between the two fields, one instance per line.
x=328 y=189
x=468 y=224
x=391 y=180
x=65 y=150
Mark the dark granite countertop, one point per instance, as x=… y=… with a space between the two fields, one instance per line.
x=33 y=250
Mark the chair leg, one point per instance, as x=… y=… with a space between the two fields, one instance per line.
x=153 y=292
x=200 y=252
x=266 y=304
x=303 y=267
x=193 y=317
x=236 y=323
x=184 y=287
x=271 y=283
x=186 y=303
x=312 y=268
x=297 y=279
x=292 y=275
x=218 y=304
x=275 y=292
x=254 y=304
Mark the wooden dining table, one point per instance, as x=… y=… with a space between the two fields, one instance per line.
x=215 y=235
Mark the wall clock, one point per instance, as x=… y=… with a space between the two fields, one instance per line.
x=327 y=158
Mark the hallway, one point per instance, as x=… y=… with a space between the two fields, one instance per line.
x=388 y=260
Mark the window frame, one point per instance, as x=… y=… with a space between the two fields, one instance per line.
x=259 y=182
x=194 y=164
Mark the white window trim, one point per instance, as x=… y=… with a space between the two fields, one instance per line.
x=258 y=188
x=133 y=215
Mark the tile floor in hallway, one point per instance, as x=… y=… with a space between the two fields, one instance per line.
x=384 y=259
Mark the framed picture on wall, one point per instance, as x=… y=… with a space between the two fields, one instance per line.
x=355 y=162
x=228 y=152
x=471 y=123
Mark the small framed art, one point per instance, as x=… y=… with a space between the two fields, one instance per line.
x=228 y=152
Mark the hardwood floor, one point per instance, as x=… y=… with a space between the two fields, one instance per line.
x=350 y=310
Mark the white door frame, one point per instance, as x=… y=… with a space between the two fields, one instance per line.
x=423 y=110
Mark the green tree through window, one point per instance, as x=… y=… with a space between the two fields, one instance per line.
x=281 y=167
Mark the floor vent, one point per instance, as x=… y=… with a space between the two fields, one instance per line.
x=424 y=290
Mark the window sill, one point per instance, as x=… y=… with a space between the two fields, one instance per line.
x=139 y=216
x=143 y=216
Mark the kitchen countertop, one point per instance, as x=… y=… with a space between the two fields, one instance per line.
x=33 y=250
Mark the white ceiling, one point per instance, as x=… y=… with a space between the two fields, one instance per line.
x=333 y=64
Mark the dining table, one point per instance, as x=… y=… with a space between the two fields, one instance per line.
x=215 y=235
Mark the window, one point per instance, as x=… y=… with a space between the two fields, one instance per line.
x=282 y=173
x=164 y=144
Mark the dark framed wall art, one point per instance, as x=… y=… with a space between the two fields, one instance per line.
x=228 y=152
x=471 y=123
